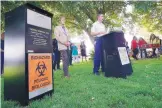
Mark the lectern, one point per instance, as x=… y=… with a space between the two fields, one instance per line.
x=115 y=56
x=28 y=54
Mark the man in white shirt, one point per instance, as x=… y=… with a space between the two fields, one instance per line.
x=98 y=30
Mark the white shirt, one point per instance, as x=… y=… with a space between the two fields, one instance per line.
x=98 y=27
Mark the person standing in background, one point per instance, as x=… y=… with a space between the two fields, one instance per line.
x=127 y=47
x=56 y=61
x=75 y=53
x=142 y=44
x=83 y=51
x=2 y=52
x=157 y=51
x=98 y=30
x=161 y=46
x=153 y=41
x=134 y=47
x=62 y=37
x=70 y=53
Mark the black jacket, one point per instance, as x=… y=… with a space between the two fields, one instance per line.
x=55 y=45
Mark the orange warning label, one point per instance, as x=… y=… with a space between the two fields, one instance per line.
x=40 y=70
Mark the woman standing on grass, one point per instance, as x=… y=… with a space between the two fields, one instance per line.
x=141 y=43
x=75 y=53
x=134 y=47
x=83 y=51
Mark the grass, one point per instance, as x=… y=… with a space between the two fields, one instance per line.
x=84 y=90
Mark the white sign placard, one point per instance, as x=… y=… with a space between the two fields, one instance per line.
x=123 y=55
x=37 y=19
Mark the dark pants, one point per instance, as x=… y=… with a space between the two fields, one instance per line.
x=153 y=53
x=98 y=56
x=65 y=60
x=2 y=62
x=70 y=57
x=56 y=60
x=135 y=52
x=141 y=52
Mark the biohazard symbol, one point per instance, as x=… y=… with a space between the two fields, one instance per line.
x=40 y=70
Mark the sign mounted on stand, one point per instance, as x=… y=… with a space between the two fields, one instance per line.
x=123 y=55
x=29 y=71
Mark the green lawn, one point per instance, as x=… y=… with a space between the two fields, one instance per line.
x=84 y=90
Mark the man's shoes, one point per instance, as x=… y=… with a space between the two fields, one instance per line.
x=96 y=73
x=67 y=77
x=59 y=69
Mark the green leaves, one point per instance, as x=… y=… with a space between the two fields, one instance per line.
x=149 y=15
x=79 y=14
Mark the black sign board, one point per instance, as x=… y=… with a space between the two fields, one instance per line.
x=28 y=54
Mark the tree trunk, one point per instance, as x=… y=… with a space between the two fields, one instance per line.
x=91 y=37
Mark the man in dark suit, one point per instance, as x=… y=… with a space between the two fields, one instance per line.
x=2 y=52
x=56 y=55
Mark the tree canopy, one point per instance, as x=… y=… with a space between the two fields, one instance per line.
x=81 y=14
x=148 y=14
